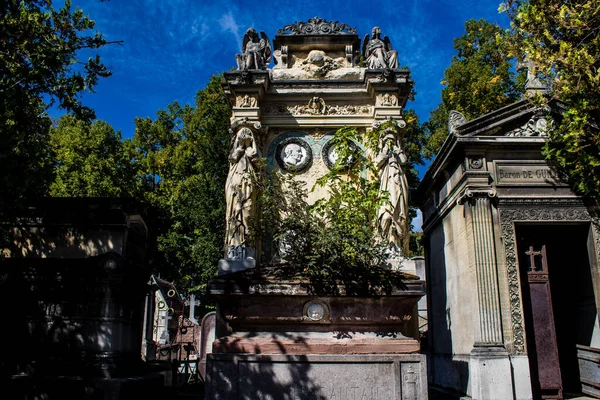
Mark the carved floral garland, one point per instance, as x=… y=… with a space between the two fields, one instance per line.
x=320 y=109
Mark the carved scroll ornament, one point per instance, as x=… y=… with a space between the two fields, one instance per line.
x=316 y=26
x=455 y=119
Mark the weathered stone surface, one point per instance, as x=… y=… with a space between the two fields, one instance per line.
x=273 y=328
x=298 y=343
x=589 y=367
x=348 y=74
x=369 y=377
x=488 y=180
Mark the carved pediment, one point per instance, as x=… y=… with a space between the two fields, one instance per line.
x=535 y=126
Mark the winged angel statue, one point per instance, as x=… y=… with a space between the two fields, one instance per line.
x=378 y=53
x=256 y=52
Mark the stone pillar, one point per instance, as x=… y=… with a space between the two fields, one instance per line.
x=490 y=325
x=489 y=370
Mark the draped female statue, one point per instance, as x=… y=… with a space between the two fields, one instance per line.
x=239 y=190
x=378 y=53
x=392 y=217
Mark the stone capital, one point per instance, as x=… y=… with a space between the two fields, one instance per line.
x=472 y=194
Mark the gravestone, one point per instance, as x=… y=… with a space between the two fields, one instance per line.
x=77 y=270
x=207 y=337
x=274 y=337
x=512 y=264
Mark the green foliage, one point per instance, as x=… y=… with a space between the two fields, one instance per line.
x=181 y=161
x=416 y=245
x=415 y=147
x=91 y=160
x=561 y=38
x=333 y=243
x=478 y=80
x=39 y=67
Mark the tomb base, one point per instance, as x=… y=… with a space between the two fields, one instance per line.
x=316 y=376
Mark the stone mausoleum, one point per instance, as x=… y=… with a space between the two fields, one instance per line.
x=512 y=264
x=274 y=338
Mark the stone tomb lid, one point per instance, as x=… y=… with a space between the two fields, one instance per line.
x=284 y=280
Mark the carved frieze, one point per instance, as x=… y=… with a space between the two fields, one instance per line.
x=387 y=100
x=246 y=100
x=317 y=106
x=316 y=26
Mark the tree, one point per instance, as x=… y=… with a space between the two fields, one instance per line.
x=333 y=244
x=479 y=79
x=181 y=162
x=91 y=160
x=562 y=38
x=39 y=68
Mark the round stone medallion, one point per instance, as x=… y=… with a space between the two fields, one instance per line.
x=293 y=154
x=315 y=311
x=330 y=155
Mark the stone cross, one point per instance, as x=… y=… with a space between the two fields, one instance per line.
x=192 y=303
x=534 y=84
x=532 y=254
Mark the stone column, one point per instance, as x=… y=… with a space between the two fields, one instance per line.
x=489 y=370
x=479 y=205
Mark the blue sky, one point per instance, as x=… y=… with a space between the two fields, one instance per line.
x=172 y=47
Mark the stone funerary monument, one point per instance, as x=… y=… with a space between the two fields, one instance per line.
x=512 y=264
x=274 y=338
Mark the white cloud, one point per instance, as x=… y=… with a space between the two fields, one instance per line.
x=228 y=24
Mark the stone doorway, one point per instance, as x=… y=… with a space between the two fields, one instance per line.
x=558 y=303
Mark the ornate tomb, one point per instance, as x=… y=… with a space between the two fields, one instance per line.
x=275 y=337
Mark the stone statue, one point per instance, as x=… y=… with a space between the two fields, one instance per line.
x=256 y=52
x=239 y=189
x=378 y=53
x=392 y=217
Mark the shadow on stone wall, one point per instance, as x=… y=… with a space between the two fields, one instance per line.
x=447 y=376
x=259 y=376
